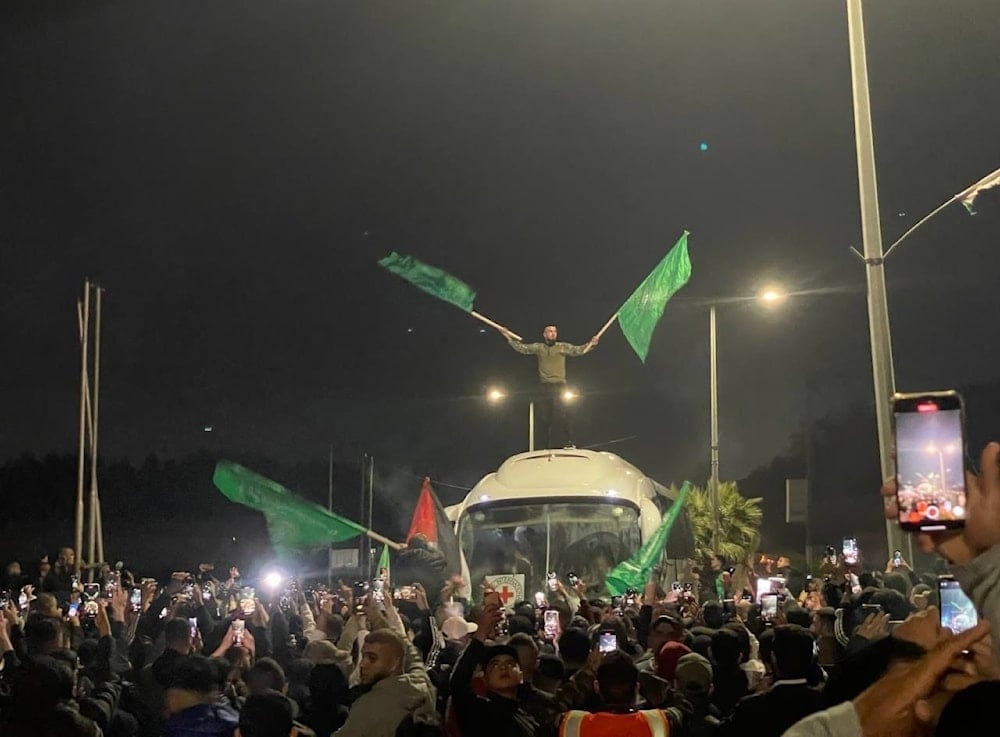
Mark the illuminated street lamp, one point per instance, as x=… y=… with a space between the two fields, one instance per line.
x=771 y=296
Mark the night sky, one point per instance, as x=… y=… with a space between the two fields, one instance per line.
x=231 y=172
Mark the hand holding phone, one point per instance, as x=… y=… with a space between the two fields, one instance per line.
x=929 y=435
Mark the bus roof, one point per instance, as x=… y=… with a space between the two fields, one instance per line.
x=563 y=473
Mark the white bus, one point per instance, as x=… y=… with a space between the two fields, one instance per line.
x=567 y=511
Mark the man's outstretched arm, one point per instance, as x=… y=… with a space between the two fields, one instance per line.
x=529 y=349
x=580 y=350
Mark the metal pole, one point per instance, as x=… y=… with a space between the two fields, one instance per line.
x=715 y=430
x=371 y=505
x=84 y=318
x=531 y=425
x=93 y=546
x=364 y=544
x=329 y=504
x=878 y=308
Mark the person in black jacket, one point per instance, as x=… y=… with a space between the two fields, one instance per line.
x=790 y=698
x=501 y=713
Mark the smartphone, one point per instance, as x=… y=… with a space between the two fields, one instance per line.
x=929 y=433
x=675 y=586
x=22 y=601
x=135 y=599
x=193 y=621
x=869 y=609
x=897 y=559
x=552 y=580
x=831 y=555
x=957 y=610
x=239 y=627
x=616 y=602
x=540 y=601
x=74 y=607
x=573 y=579
x=247 y=603
x=849 y=548
x=768 y=607
x=551 y=624
x=607 y=642
x=91 y=591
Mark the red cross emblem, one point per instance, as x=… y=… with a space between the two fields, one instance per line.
x=506 y=594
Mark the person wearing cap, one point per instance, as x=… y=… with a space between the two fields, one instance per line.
x=665 y=628
x=457 y=629
x=501 y=712
x=616 y=683
x=693 y=683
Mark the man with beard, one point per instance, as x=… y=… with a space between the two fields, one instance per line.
x=396 y=689
x=552 y=375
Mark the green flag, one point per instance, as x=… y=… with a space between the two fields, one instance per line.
x=634 y=572
x=640 y=313
x=383 y=562
x=291 y=522
x=431 y=279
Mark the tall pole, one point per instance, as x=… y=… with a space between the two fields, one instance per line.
x=371 y=506
x=531 y=426
x=329 y=505
x=363 y=544
x=92 y=547
x=84 y=317
x=715 y=429
x=878 y=308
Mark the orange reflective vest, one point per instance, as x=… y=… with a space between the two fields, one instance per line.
x=649 y=723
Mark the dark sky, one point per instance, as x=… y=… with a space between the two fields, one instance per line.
x=230 y=173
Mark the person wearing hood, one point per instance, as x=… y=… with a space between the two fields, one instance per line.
x=551 y=402
x=397 y=689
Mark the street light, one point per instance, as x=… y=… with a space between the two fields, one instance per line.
x=495 y=395
x=769 y=296
x=569 y=395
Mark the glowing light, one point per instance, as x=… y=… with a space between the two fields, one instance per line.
x=703 y=146
x=272 y=580
x=771 y=295
x=495 y=394
x=569 y=395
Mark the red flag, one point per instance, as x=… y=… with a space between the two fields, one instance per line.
x=430 y=520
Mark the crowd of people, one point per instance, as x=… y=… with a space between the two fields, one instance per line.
x=844 y=651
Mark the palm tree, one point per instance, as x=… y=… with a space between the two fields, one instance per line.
x=739 y=522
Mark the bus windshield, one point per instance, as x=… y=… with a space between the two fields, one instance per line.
x=587 y=538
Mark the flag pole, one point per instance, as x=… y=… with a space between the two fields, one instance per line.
x=496 y=325
x=607 y=325
x=383 y=539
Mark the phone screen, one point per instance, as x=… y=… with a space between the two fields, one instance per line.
x=608 y=641
x=91 y=591
x=551 y=624
x=135 y=598
x=930 y=460
x=850 y=550
x=74 y=607
x=768 y=607
x=957 y=611
x=193 y=621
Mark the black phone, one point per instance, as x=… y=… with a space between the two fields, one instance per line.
x=768 y=607
x=958 y=613
x=929 y=433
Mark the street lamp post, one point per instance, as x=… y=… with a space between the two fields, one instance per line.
x=496 y=395
x=769 y=296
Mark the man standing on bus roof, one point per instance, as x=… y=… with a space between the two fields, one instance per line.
x=552 y=375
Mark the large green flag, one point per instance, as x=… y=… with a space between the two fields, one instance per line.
x=634 y=572
x=383 y=561
x=431 y=279
x=640 y=313
x=291 y=522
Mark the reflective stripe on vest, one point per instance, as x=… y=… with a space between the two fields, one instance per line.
x=604 y=724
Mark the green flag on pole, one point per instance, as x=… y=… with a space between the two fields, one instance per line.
x=430 y=279
x=634 y=572
x=383 y=562
x=640 y=313
x=291 y=522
